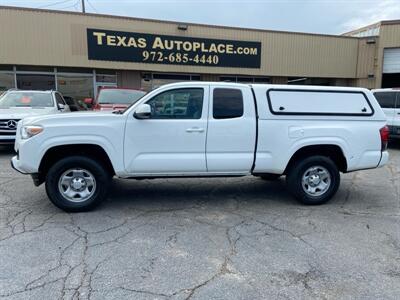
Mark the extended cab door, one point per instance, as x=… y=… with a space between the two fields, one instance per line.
x=172 y=141
x=231 y=136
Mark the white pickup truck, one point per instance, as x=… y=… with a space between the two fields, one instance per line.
x=202 y=129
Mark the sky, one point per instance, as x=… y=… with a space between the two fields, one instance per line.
x=313 y=16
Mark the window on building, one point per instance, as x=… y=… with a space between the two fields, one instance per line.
x=386 y=99
x=178 y=104
x=227 y=103
x=151 y=81
x=36 y=82
x=244 y=79
x=77 y=86
x=6 y=82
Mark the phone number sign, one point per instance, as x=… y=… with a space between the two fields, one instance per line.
x=173 y=50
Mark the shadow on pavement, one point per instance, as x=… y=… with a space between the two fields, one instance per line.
x=169 y=193
x=7 y=149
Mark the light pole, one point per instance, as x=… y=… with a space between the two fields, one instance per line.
x=83 y=6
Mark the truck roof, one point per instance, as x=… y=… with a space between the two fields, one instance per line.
x=266 y=86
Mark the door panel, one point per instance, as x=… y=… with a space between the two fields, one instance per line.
x=231 y=130
x=173 y=140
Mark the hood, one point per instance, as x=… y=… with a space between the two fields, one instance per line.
x=70 y=117
x=19 y=113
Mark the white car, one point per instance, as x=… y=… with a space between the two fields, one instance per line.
x=203 y=129
x=18 y=104
x=389 y=100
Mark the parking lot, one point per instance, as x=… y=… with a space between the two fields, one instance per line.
x=238 y=238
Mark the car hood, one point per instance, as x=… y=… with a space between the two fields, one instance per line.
x=19 y=113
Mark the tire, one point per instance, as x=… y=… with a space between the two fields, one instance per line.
x=304 y=175
x=270 y=177
x=77 y=184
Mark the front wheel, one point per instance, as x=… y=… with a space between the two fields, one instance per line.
x=313 y=180
x=77 y=183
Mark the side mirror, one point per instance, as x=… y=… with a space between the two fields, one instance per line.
x=143 y=112
x=61 y=106
x=88 y=101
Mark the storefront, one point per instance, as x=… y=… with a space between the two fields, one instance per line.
x=78 y=53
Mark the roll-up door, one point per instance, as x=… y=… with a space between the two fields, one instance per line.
x=391 y=60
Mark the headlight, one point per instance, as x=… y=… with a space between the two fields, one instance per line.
x=30 y=131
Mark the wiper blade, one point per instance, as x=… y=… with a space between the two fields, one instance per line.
x=118 y=112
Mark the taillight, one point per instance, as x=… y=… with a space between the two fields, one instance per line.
x=384 y=131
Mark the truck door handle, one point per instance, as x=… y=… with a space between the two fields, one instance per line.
x=195 y=129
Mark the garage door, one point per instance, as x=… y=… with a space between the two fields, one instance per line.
x=391 y=60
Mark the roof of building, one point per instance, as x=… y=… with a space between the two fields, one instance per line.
x=167 y=22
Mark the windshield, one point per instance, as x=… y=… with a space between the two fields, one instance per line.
x=115 y=96
x=26 y=99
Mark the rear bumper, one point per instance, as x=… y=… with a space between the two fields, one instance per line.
x=384 y=159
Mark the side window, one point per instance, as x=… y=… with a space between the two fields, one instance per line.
x=178 y=104
x=227 y=103
x=59 y=99
x=385 y=99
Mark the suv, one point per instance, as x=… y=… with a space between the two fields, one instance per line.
x=207 y=129
x=113 y=99
x=18 y=104
x=389 y=100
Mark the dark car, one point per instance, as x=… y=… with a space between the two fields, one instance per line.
x=75 y=105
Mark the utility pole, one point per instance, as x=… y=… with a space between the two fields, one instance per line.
x=83 y=6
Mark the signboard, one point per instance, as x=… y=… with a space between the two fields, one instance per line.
x=173 y=50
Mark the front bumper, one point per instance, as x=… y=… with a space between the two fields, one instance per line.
x=16 y=165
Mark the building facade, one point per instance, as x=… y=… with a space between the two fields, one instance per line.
x=78 y=53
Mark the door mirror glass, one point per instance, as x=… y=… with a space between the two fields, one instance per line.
x=143 y=112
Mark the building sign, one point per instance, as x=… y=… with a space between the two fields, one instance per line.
x=173 y=50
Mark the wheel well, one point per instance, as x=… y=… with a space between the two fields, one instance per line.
x=56 y=153
x=334 y=152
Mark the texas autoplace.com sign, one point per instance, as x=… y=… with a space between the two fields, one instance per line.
x=177 y=50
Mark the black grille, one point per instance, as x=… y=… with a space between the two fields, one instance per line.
x=2 y=133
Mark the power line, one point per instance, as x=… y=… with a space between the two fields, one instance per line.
x=70 y=6
x=90 y=4
x=53 y=4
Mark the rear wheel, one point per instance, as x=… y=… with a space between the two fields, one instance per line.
x=77 y=183
x=313 y=180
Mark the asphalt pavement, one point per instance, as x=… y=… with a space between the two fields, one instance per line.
x=228 y=238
